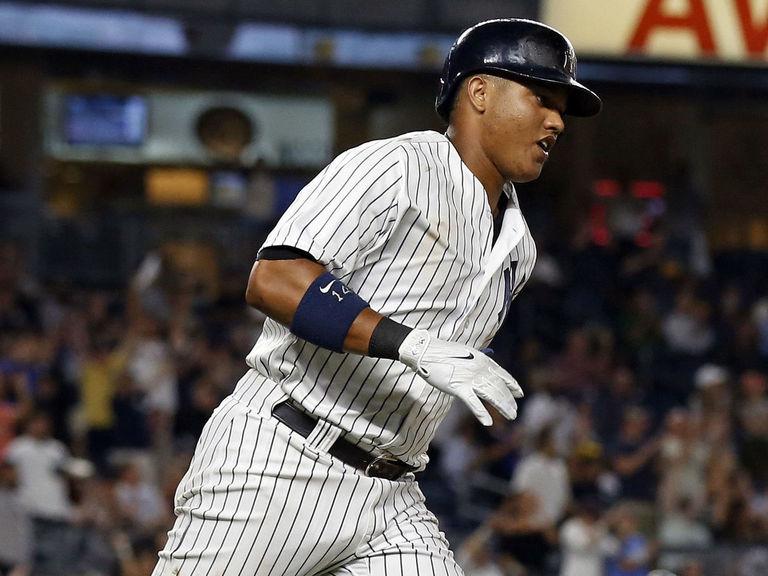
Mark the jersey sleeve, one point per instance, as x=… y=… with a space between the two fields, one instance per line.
x=347 y=210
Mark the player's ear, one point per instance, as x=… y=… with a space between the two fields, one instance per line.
x=477 y=89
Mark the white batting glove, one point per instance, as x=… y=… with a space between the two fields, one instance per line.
x=463 y=372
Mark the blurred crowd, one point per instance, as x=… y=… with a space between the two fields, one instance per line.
x=642 y=441
x=103 y=394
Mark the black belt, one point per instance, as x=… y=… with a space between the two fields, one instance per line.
x=384 y=466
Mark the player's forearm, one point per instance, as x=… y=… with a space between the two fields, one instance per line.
x=359 y=336
x=277 y=287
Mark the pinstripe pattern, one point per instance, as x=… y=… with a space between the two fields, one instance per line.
x=405 y=224
x=286 y=508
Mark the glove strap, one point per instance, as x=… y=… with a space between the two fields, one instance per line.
x=387 y=338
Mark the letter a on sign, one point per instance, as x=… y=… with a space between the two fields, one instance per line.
x=655 y=17
x=755 y=37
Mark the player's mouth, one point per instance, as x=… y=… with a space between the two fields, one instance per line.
x=546 y=144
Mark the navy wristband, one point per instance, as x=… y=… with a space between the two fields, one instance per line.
x=326 y=312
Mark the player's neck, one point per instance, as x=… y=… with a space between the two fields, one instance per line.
x=477 y=162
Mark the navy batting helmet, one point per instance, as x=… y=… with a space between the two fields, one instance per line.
x=517 y=49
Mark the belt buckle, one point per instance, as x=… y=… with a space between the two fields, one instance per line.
x=384 y=466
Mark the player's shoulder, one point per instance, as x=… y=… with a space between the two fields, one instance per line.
x=396 y=155
x=409 y=140
x=422 y=139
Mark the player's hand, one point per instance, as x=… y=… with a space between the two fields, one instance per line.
x=463 y=372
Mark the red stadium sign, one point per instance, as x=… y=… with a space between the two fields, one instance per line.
x=733 y=30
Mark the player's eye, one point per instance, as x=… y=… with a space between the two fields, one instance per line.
x=546 y=101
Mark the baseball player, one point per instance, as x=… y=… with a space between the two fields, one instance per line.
x=382 y=282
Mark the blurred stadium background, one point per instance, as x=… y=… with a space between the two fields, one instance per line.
x=146 y=147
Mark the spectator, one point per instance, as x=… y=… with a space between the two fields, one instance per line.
x=152 y=368
x=202 y=397
x=96 y=523
x=57 y=399
x=621 y=391
x=41 y=462
x=577 y=366
x=591 y=274
x=712 y=394
x=131 y=432
x=24 y=357
x=546 y=407
x=681 y=527
x=640 y=327
x=498 y=450
x=634 y=455
x=139 y=502
x=137 y=557
x=103 y=365
x=15 y=404
x=476 y=555
x=650 y=265
x=97 y=507
x=682 y=462
x=591 y=480
x=752 y=417
x=544 y=474
x=722 y=499
x=733 y=518
x=631 y=553
x=582 y=541
x=687 y=328
x=524 y=540
x=15 y=528
x=193 y=359
x=18 y=301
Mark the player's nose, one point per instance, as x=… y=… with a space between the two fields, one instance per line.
x=554 y=121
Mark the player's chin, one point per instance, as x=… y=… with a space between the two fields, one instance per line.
x=527 y=175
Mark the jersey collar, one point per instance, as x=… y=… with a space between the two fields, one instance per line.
x=512 y=231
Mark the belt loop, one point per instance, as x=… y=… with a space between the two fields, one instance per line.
x=323 y=436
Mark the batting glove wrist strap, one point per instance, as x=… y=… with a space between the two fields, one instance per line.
x=463 y=372
x=387 y=338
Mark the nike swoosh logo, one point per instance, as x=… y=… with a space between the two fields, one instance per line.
x=324 y=289
x=469 y=357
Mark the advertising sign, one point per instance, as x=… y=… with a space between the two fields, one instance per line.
x=710 y=30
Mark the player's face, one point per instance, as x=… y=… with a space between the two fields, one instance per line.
x=522 y=124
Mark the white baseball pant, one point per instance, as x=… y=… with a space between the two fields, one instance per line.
x=261 y=500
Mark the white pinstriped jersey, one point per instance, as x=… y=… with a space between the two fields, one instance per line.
x=407 y=226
